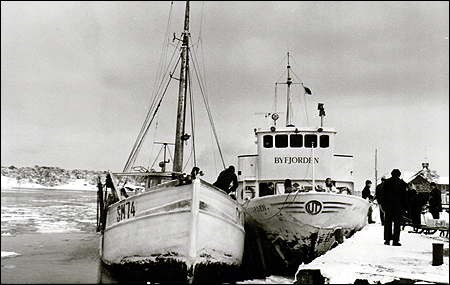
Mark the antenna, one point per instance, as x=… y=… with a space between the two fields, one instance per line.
x=321 y=113
x=376 y=177
x=425 y=153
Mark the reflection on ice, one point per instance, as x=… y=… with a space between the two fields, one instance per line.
x=8 y=254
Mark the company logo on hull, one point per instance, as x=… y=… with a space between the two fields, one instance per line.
x=313 y=207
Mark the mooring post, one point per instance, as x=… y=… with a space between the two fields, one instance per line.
x=438 y=254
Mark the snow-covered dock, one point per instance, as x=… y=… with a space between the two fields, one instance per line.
x=364 y=256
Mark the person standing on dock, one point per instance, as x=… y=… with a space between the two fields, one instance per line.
x=366 y=195
x=435 y=202
x=378 y=197
x=394 y=204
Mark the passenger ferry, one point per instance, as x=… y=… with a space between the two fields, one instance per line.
x=303 y=220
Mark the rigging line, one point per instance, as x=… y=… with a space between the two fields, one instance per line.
x=159 y=152
x=141 y=133
x=170 y=154
x=280 y=77
x=213 y=153
x=194 y=56
x=201 y=22
x=299 y=105
x=195 y=61
x=192 y=107
x=295 y=61
x=187 y=161
x=280 y=209
x=282 y=61
x=166 y=71
x=307 y=169
x=205 y=100
x=141 y=136
x=164 y=50
x=203 y=60
x=146 y=123
x=275 y=98
x=306 y=110
x=153 y=145
x=295 y=74
x=161 y=73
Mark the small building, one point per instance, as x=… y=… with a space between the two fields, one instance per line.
x=422 y=179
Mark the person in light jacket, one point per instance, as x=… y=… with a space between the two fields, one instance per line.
x=367 y=196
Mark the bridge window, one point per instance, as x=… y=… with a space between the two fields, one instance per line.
x=324 y=141
x=310 y=139
x=268 y=141
x=281 y=140
x=296 y=140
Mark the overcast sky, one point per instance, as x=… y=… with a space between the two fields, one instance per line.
x=77 y=77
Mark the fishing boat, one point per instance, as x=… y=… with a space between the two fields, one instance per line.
x=297 y=223
x=169 y=225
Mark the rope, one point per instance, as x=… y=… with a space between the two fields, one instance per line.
x=279 y=210
x=158 y=94
x=208 y=110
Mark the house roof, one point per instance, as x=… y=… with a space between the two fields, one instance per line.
x=408 y=176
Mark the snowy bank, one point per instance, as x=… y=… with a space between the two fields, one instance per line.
x=364 y=256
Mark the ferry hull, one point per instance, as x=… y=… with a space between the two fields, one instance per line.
x=176 y=234
x=299 y=227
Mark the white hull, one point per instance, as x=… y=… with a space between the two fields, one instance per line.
x=302 y=226
x=188 y=225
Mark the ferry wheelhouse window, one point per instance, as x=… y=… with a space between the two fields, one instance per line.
x=296 y=140
x=281 y=140
x=268 y=141
x=324 y=141
x=310 y=139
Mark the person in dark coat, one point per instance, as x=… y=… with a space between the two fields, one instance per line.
x=416 y=203
x=226 y=177
x=435 y=202
x=378 y=197
x=287 y=186
x=394 y=204
x=366 y=195
x=366 y=191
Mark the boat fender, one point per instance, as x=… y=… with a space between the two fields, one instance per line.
x=338 y=235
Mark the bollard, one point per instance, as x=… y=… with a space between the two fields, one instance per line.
x=438 y=254
x=339 y=235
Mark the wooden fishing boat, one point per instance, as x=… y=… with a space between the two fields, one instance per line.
x=175 y=227
x=297 y=224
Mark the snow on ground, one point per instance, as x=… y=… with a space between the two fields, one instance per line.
x=78 y=184
x=364 y=256
x=7 y=254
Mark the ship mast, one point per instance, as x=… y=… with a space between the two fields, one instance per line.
x=180 y=136
x=288 y=98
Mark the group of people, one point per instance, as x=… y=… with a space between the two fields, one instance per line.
x=395 y=198
x=398 y=199
x=227 y=181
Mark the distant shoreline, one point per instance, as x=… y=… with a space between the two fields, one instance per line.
x=78 y=185
x=45 y=188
